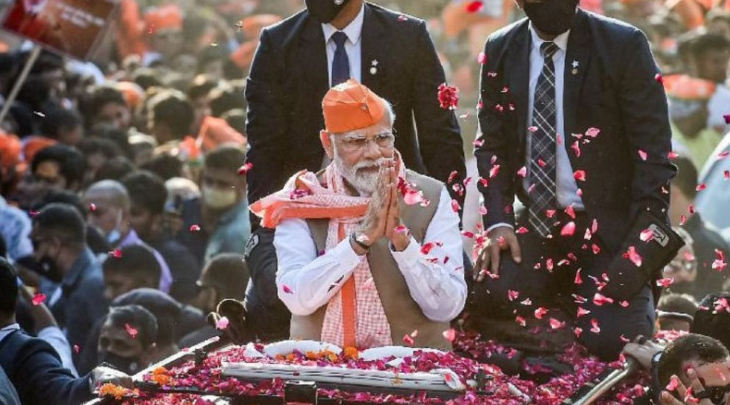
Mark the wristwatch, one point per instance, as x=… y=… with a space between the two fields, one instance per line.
x=361 y=240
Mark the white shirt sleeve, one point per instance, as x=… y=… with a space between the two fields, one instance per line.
x=305 y=281
x=55 y=337
x=436 y=279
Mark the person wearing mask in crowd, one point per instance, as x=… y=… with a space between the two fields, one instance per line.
x=127 y=339
x=33 y=366
x=676 y=312
x=383 y=273
x=109 y=210
x=58 y=167
x=136 y=267
x=706 y=239
x=543 y=80
x=148 y=195
x=299 y=59
x=59 y=240
x=225 y=276
x=219 y=220
x=105 y=105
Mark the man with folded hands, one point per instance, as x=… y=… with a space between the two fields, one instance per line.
x=369 y=253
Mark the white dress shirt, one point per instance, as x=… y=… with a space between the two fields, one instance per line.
x=438 y=288
x=567 y=188
x=353 y=45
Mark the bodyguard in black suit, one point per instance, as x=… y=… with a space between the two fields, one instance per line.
x=574 y=123
x=290 y=75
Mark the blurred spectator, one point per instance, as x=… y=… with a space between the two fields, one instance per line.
x=706 y=239
x=127 y=339
x=225 y=98
x=676 y=312
x=170 y=119
x=106 y=105
x=198 y=95
x=713 y=201
x=97 y=151
x=148 y=195
x=65 y=126
x=136 y=267
x=224 y=276
x=57 y=167
x=111 y=214
x=163 y=28
x=59 y=241
x=221 y=214
x=712 y=317
x=164 y=165
x=114 y=169
x=15 y=230
x=141 y=148
x=33 y=366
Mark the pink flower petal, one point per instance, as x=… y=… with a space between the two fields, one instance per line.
x=646 y=235
x=556 y=324
x=582 y=312
x=521 y=230
x=600 y=299
x=592 y=132
x=719 y=263
x=92 y=207
x=568 y=229
x=658 y=77
x=482 y=58
x=222 y=323
x=38 y=299
x=522 y=172
x=665 y=282
x=286 y=289
x=455 y=206
x=474 y=6
x=578 y=280
x=723 y=155
x=450 y=335
x=131 y=330
x=594 y=326
x=194 y=228
x=672 y=155
x=540 y=312
x=245 y=168
x=642 y=155
x=634 y=256
x=580 y=175
x=673 y=383
x=512 y=295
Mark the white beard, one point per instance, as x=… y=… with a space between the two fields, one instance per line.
x=364 y=182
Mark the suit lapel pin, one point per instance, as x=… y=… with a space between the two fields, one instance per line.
x=575 y=68
x=374 y=67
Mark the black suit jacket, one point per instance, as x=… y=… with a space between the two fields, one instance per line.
x=614 y=90
x=289 y=78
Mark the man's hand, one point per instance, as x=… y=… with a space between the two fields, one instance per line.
x=376 y=218
x=103 y=375
x=500 y=238
x=236 y=330
x=666 y=398
x=399 y=238
x=643 y=353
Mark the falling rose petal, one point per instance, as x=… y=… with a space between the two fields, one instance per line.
x=665 y=282
x=76 y=349
x=452 y=177
x=700 y=187
x=726 y=174
x=130 y=330
x=578 y=280
x=116 y=253
x=426 y=248
x=594 y=326
x=723 y=155
x=38 y=299
x=512 y=295
x=550 y=213
x=521 y=321
x=596 y=249
x=558 y=139
x=245 y=168
x=570 y=211
x=33 y=213
x=592 y=132
x=494 y=171
x=658 y=77
x=408 y=340
x=672 y=155
x=448 y=96
x=719 y=263
x=568 y=229
x=540 y=312
x=474 y=6
x=286 y=289
x=576 y=148
x=455 y=206
x=521 y=230
x=482 y=210
x=673 y=383
x=582 y=312
x=633 y=255
x=642 y=155
x=682 y=219
x=222 y=323
x=482 y=58
x=624 y=303
x=556 y=324
x=594 y=226
x=541 y=163
x=624 y=339
x=580 y=175
x=402 y=18
x=449 y=335
x=522 y=172
x=646 y=235
x=577 y=332
x=691 y=209
x=92 y=207
x=600 y=299
x=401 y=229
x=414 y=334
x=412 y=197
x=194 y=228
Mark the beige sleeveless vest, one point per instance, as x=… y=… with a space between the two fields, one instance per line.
x=403 y=313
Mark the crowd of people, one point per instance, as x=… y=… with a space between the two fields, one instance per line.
x=210 y=172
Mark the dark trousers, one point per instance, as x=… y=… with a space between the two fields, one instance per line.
x=547 y=276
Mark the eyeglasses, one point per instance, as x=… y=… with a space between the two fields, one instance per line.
x=384 y=140
x=715 y=394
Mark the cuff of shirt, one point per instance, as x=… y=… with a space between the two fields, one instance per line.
x=346 y=254
x=409 y=257
x=499 y=224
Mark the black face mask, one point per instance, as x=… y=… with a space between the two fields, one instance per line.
x=325 y=11
x=129 y=365
x=551 y=17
